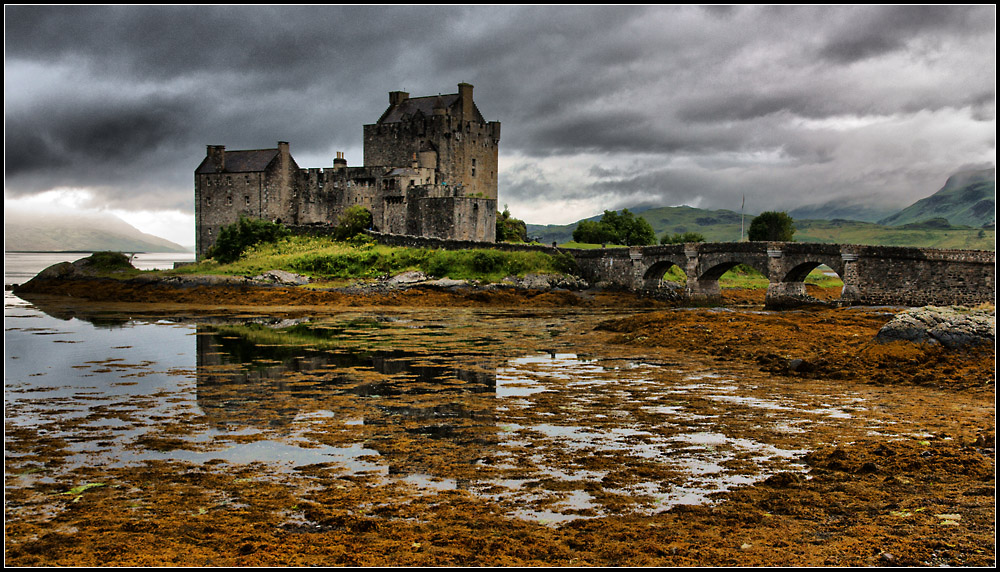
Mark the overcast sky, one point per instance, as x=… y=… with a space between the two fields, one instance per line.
x=601 y=107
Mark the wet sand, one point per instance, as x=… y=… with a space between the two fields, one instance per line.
x=891 y=458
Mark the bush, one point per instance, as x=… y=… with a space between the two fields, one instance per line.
x=109 y=261
x=355 y=220
x=487 y=261
x=236 y=238
x=681 y=238
x=510 y=229
x=771 y=226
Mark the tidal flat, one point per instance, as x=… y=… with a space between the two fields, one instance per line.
x=443 y=431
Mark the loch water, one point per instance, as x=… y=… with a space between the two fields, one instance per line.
x=507 y=404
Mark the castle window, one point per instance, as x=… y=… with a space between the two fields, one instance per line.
x=229 y=199
x=208 y=201
x=473 y=167
x=247 y=198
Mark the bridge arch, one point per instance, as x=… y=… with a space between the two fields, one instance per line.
x=799 y=272
x=652 y=278
x=716 y=271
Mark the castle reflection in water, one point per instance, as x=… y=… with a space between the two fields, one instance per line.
x=417 y=408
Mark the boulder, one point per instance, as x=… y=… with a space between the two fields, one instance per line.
x=282 y=277
x=952 y=327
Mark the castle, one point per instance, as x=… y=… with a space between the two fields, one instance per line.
x=430 y=169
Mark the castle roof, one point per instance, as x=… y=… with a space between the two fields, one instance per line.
x=251 y=161
x=402 y=172
x=424 y=105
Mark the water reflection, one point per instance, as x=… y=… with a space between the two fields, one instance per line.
x=275 y=376
x=497 y=404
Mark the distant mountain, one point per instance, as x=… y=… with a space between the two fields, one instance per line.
x=715 y=226
x=967 y=199
x=35 y=232
x=960 y=215
x=725 y=226
x=841 y=210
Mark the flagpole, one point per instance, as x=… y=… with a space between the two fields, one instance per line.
x=743 y=204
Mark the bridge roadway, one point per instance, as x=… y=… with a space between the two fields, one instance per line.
x=872 y=275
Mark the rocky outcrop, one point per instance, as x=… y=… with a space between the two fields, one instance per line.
x=62 y=277
x=951 y=327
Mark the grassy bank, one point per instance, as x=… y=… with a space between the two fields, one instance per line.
x=324 y=259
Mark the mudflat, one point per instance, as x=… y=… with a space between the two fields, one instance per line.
x=881 y=454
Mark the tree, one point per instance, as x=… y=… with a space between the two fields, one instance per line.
x=510 y=229
x=355 y=220
x=681 y=238
x=236 y=238
x=594 y=232
x=616 y=228
x=772 y=226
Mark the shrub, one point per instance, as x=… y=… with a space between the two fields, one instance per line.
x=236 y=238
x=681 y=238
x=487 y=261
x=109 y=261
x=771 y=225
x=510 y=229
x=355 y=220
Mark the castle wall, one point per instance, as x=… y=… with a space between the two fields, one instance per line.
x=223 y=197
x=458 y=218
x=466 y=153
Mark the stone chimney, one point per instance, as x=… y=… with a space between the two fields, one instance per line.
x=217 y=154
x=285 y=162
x=340 y=162
x=465 y=95
x=397 y=97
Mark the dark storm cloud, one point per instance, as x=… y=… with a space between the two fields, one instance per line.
x=880 y=29
x=123 y=99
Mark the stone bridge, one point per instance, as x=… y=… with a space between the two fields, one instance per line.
x=872 y=275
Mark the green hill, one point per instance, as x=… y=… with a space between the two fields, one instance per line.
x=841 y=210
x=724 y=226
x=961 y=215
x=967 y=199
x=715 y=226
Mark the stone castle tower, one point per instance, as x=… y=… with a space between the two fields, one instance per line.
x=430 y=169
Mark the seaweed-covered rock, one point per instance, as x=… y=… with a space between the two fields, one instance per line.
x=546 y=282
x=282 y=277
x=952 y=327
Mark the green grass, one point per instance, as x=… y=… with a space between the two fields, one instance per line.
x=326 y=259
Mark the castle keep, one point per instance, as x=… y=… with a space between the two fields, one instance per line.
x=430 y=169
